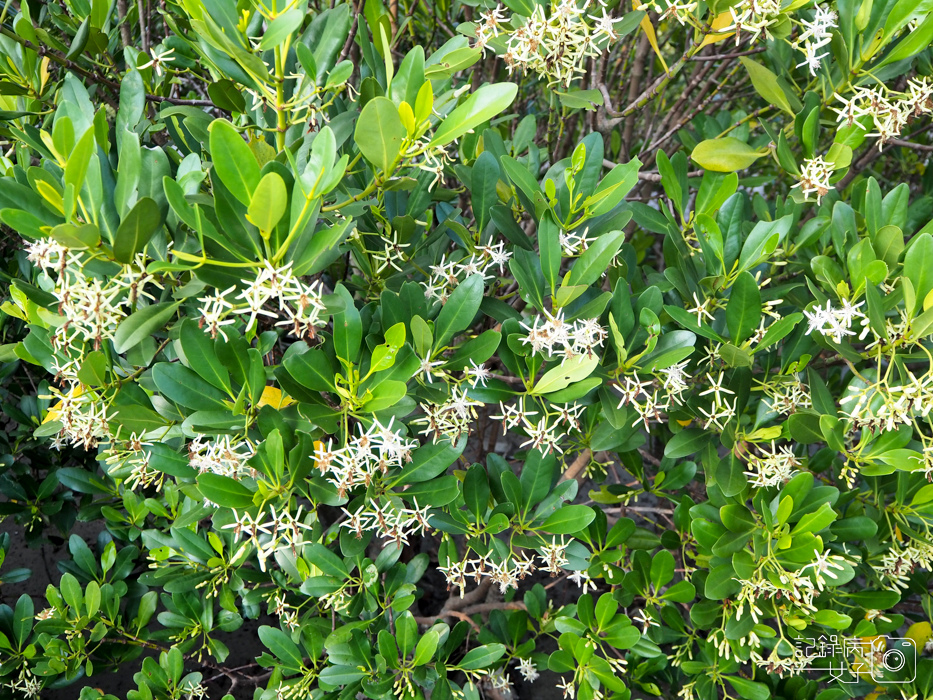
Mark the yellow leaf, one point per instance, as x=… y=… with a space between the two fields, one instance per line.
x=261 y=150
x=722 y=21
x=273 y=396
x=50 y=195
x=55 y=411
x=685 y=423
x=318 y=447
x=920 y=633
x=648 y=28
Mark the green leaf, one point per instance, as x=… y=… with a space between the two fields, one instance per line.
x=572 y=370
x=750 y=690
x=832 y=618
x=686 y=442
x=613 y=188
x=766 y=84
x=483 y=104
x=816 y=521
x=805 y=427
x=23 y=616
x=662 y=569
x=431 y=460
x=311 y=369
x=78 y=161
x=224 y=490
x=234 y=162
x=348 y=327
x=918 y=268
x=476 y=490
x=268 y=204
x=201 y=355
x=427 y=645
x=537 y=478
x=77 y=237
x=137 y=227
x=327 y=561
x=595 y=260
x=549 y=248
x=143 y=324
x=484 y=177
x=569 y=520
x=461 y=307
x=380 y=133
x=725 y=155
x=743 y=311
x=181 y=385
x=482 y=657
x=281 y=645
x=281 y=28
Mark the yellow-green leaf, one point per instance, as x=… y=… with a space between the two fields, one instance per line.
x=725 y=155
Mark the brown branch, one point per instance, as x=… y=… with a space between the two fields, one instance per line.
x=910 y=144
x=125 y=36
x=465 y=613
x=577 y=466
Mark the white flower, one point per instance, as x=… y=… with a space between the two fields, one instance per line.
x=814 y=177
x=773 y=468
x=583 y=580
x=837 y=323
x=529 y=671
x=477 y=374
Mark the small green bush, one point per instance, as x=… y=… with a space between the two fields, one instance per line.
x=382 y=332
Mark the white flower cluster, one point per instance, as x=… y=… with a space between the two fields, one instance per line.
x=269 y=532
x=898 y=564
x=814 y=177
x=890 y=112
x=677 y=10
x=755 y=17
x=557 y=44
x=884 y=407
x=299 y=305
x=451 y=419
x=430 y=159
x=47 y=254
x=83 y=417
x=549 y=431
x=782 y=666
x=837 y=323
x=773 y=468
x=448 y=274
x=374 y=451
x=794 y=588
x=285 y=612
x=787 y=394
x=131 y=455
x=388 y=520
x=222 y=456
x=92 y=308
x=27 y=685
x=815 y=36
x=574 y=243
x=664 y=390
x=558 y=337
x=508 y=573
x=528 y=670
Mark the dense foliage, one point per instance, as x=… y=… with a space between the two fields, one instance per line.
x=461 y=344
